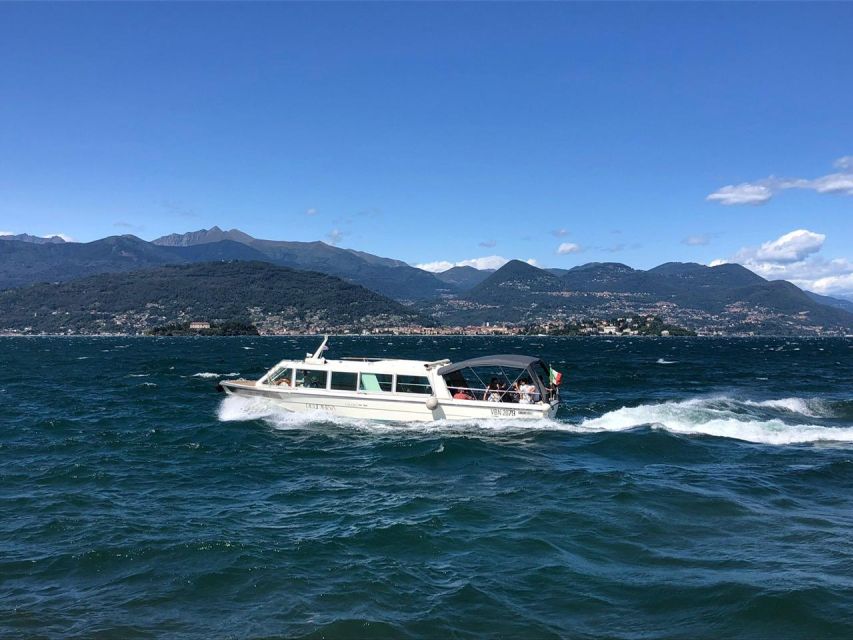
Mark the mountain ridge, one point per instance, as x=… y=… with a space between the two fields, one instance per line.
x=727 y=295
x=273 y=298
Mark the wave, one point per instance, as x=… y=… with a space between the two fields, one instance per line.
x=211 y=374
x=812 y=407
x=662 y=361
x=723 y=417
x=727 y=418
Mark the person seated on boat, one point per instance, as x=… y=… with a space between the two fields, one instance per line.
x=493 y=392
x=525 y=391
x=284 y=382
x=511 y=394
x=534 y=393
x=462 y=394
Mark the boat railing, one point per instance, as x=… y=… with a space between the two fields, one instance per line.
x=495 y=395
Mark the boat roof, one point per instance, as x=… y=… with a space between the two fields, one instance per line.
x=502 y=360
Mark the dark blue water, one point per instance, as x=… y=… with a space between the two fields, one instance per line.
x=688 y=488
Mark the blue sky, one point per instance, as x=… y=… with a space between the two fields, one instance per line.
x=442 y=133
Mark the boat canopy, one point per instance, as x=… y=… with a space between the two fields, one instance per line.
x=504 y=360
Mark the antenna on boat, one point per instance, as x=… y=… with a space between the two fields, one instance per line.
x=318 y=354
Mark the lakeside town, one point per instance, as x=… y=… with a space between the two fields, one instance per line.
x=627 y=326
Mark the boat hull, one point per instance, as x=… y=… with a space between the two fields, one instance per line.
x=387 y=407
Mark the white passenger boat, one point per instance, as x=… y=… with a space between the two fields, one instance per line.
x=499 y=386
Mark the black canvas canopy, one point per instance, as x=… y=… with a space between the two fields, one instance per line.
x=503 y=360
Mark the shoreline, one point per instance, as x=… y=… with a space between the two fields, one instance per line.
x=419 y=335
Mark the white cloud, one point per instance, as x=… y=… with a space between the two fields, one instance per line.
x=436 y=267
x=697 y=240
x=744 y=193
x=842 y=284
x=568 y=247
x=761 y=191
x=559 y=233
x=335 y=236
x=486 y=262
x=64 y=236
x=488 y=243
x=311 y=212
x=718 y=262
x=793 y=257
x=791 y=247
x=7 y=233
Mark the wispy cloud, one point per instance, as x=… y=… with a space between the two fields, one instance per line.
x=697 y=240
x=559 y=233
x=566 y=248
x=129 y=226
x=486 y=262
x=311 y=212
x=744 y=193
x=178 y=209
x=488 y=244
x=371 y=212
x=335 y=236
x=762 y=191
x=7 y=233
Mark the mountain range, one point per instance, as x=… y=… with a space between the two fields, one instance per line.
x=24 y=262
x=728 y=298
x=270 y=297
x=725 y=298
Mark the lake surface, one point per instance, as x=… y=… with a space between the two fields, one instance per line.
x=687 y=488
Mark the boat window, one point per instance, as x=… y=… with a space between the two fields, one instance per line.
x=376 y=382
x=413 y=384
x=282 y=377
x=344 y=380
x=310 y=379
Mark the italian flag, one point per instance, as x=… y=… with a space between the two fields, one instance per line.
x=554 y=376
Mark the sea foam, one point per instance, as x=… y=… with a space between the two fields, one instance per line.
x=723 y=417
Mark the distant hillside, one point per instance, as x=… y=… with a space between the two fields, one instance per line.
x=464 y=278
x=202 y=236
x=272 y=298
x=23 y=263
x=515 y=281
x=26 y=237
x=389 y=277
x=838 y=303
x=727 y=298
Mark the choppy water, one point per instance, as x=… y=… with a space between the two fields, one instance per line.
x=688 y=487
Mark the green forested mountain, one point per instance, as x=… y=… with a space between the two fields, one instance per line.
x=464 y=278
x=23 y=263
x=270 y=297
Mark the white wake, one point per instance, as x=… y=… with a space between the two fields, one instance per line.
x=718 y=416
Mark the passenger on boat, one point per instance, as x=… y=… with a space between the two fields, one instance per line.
x=525 y=391
x=494 y=391
x=462 y=394
x=511 y=394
